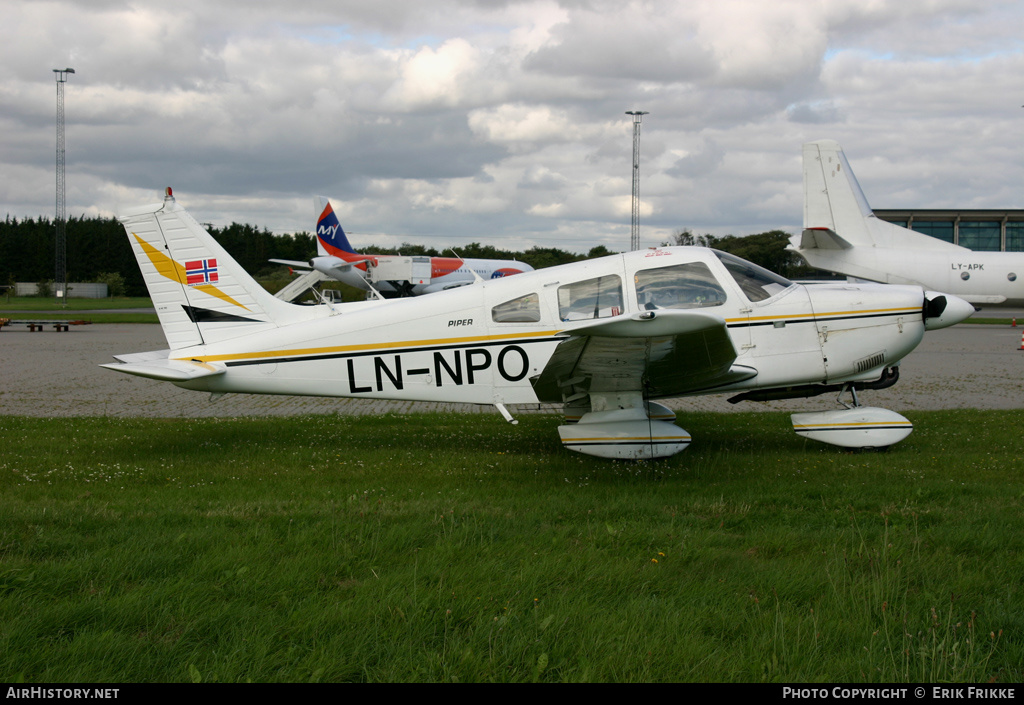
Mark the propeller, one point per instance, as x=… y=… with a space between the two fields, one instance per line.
x=933 y=308
x=944 y=310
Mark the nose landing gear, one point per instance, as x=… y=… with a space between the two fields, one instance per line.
x=854 y=426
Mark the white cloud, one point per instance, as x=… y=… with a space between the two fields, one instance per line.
x=434 y=78
x=521 y=123
x=503 y=121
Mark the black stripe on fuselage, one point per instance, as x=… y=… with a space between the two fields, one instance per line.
x=799 y=429
x=388 y=351
x=816 y=319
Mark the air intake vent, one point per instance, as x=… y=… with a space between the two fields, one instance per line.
x=867 y=363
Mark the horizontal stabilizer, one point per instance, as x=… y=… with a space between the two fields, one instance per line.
x=822 y=239
x=293 y=263
x=158 y=366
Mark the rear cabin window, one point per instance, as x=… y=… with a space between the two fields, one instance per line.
x=757 y=282
x=690 y=285
x=593 y=298
x=525 y=309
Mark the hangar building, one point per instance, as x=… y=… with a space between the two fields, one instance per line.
x=979 y=230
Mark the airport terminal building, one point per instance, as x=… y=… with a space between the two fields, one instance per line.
x=979 y=230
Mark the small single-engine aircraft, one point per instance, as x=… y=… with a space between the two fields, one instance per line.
x=393 y=275
x=604 y=337
x=842 y=234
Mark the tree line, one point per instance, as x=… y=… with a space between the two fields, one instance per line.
x=97 y=250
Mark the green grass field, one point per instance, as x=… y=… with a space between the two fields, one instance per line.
x=49 y=309
x=444 y=547
x=33 y=303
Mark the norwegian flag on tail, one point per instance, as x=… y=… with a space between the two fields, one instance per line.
x=201 y=271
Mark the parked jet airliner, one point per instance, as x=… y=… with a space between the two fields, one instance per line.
x=393 y=275
x=603 y=337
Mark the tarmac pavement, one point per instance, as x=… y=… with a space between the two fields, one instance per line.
x=53 y=373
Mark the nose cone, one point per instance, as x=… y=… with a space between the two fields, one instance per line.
x=944 y=310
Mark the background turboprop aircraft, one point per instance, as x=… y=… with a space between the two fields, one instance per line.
x=604 y=338
x=393 y=275
x=842 y=234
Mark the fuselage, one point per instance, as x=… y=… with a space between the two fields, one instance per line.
x=977 y=277
x=484 y=343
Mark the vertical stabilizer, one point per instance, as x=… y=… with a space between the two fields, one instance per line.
x=833 y=200
x=200 y=293
x=331 y=240
x=836 y=212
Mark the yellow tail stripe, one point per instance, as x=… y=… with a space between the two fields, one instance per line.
x=167 y=267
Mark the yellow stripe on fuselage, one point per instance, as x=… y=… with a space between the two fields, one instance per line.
x=335 y=349
x=815 y=316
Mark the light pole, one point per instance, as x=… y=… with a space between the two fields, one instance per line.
x=60 y=284
x=634 y=233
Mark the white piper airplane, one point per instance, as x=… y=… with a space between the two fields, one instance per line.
x=393 y=275
x=604 y=337
x=842 y=234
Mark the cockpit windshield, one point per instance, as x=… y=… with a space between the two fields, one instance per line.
x=756 y=282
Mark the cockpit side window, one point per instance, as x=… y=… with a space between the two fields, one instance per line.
x=593 y=298
x=525 y=309
x=756 y=282
x=690 y=285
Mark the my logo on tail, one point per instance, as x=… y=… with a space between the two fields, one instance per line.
x=330 y=234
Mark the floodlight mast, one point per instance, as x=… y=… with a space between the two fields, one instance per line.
x=61 y=265
x=634 y=233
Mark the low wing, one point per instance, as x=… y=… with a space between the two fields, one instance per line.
x=157 y=365
x=662 y=353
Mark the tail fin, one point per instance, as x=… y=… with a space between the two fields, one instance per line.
x=330 y=238
x=836 y=213
x=200 y=293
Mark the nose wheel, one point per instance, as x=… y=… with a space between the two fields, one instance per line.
x=853 y=426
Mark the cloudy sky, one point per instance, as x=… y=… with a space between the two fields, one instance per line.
x=502 y=121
